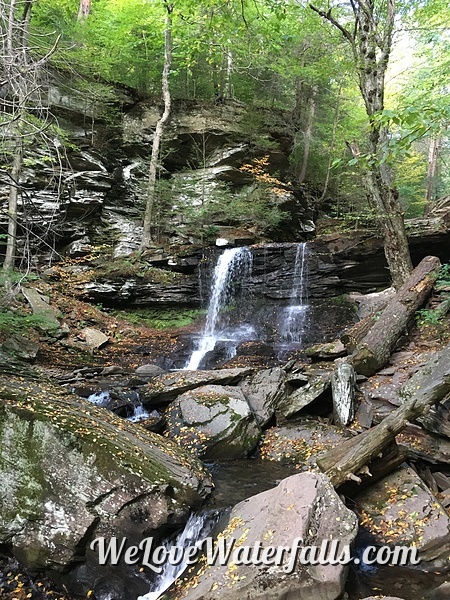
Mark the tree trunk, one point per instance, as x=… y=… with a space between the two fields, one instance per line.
x=428 y=386
x=84 y=10
x=308 y=134
x=370 y=39
x=433 y=154
x=375 y=348
x=332 y=144
x=11 y=244
x=159 y=130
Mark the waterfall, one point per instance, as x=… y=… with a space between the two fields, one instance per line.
x=230 y=275
x=139 y=414
x=197 y=528
x=295 y=314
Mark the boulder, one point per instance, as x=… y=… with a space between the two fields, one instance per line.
x=72 y=472
x=166 y=387
x=21 y=347
x=303 y=508
x=149 y=370
x=263 y=392
x=318 y=383
x=213 y=421
x=296 y=444
x=400 y=510
x=94 y=338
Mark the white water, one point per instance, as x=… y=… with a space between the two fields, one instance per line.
x=296 y=312
x=196 y=529
x=234 y=266
x=99 y=398
x=139 y=414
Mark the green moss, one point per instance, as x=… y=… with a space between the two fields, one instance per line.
x=133 y=266
x=160 y=318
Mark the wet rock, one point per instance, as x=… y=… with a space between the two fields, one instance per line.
x=400 y=510
x=214 y=422
x=263 y=392
x=318 y=383
x=296 y=444
x=71 y=472
x=302 y=506
x=149 y=370
x=166 y=387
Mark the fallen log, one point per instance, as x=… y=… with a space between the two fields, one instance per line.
x=374 y=350
x=353 y=336
x=426 y=387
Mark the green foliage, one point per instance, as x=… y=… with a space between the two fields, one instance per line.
x=133 y=266
x=443 y=279
x=159 y=318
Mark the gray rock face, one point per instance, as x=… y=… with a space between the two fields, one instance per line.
x=214 y=422
x=263 y=392
x=71 y=471
x=400 y=510
x=302 y=506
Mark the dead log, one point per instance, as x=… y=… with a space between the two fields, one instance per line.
x=375 y=348
x=428 y=385
x=343 y=380
x=352 y=336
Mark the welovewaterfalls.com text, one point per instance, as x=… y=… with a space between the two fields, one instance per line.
x=225 y=551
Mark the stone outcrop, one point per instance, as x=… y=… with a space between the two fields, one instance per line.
x=213 y=421
x=71 y=472
x=303 y=506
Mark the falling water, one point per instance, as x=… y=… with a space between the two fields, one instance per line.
x=230 y=274
x=197 y=528
x=296 y=312
x=139 y=414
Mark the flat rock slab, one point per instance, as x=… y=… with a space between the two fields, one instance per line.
x=168 y=386
x=302 y=506
x=400 y=510
x=296 y=444
x=213 y=421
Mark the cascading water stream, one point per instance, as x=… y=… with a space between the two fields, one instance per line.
x=230 y=274
x=197 y=528
x=295 y=314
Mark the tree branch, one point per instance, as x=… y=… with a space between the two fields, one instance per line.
x=327 y=15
